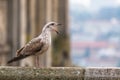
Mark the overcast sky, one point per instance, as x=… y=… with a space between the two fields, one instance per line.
x=92 y=4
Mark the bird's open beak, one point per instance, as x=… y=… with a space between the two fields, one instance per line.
x=59 y=24
x=56 y=30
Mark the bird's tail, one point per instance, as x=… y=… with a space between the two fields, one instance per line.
x=17 y=58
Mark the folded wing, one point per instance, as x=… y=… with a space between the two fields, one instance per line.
x=31 y=48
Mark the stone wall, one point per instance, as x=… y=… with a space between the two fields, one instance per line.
x=59 y=73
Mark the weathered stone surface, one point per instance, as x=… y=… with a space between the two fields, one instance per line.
x=102 y=74
x=59 y=73
x=18 y=73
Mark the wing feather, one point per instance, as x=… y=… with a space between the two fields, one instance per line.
x=34 y=46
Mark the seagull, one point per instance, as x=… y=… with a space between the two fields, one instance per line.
x=38 y=45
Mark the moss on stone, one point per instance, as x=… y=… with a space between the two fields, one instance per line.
x=18 y=73
x=59 y=73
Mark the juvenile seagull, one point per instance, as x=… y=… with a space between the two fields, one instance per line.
x=38 y=45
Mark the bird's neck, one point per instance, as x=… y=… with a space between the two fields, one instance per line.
x=47 y=36
x=45 y=28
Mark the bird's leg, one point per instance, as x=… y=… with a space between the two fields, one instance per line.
x=37 y=61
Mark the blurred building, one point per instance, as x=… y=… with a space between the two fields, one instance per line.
x=22 y=20
x=96 y=37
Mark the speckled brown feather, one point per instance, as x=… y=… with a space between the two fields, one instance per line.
x=33 y=47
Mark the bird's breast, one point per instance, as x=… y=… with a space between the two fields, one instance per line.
x=47 y=43
x=46 y=40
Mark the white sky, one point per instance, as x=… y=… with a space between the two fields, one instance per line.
x=118 y=2
x=87 y=3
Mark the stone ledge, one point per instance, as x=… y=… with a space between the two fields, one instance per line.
x=59 y=73
x=102 y=73
x=20 y=73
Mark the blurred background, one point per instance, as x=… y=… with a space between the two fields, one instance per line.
x=91 y=31
x=22 y=20
x=95 y=32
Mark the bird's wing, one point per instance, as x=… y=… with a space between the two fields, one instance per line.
x=34 y=46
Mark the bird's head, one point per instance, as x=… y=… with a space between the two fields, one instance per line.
x=52 y=26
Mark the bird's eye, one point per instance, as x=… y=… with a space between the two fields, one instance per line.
x=52 y=24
